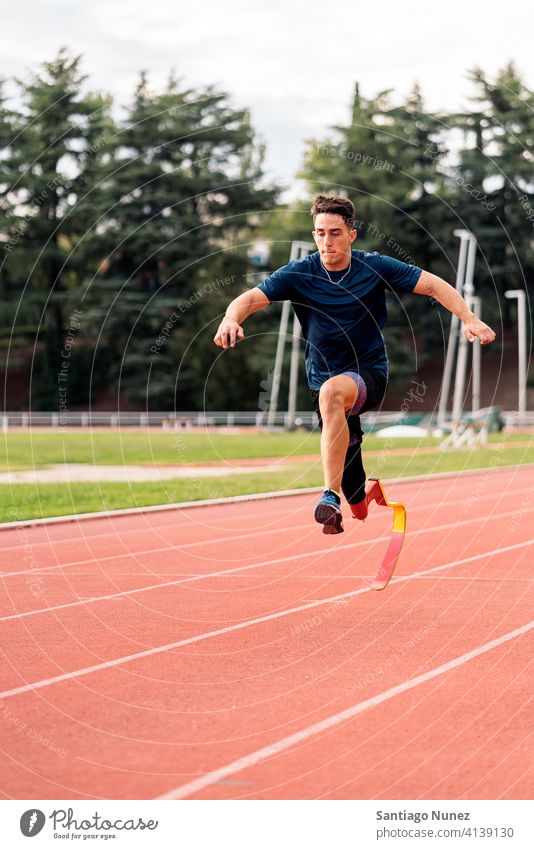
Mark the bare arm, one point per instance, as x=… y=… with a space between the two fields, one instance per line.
x=238 y=310
x=433 y=286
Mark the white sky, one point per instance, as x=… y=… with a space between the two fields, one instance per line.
x=293 y=63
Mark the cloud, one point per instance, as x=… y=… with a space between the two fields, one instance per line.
x=292 y=63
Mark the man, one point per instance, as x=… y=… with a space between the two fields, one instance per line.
x=338 y=295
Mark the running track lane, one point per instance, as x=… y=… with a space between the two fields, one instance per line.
x=268 y=636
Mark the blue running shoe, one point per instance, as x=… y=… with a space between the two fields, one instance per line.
x=328 y=513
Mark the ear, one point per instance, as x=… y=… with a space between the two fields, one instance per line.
x=353 y=236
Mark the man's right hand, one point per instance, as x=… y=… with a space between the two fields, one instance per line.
x=228 y=333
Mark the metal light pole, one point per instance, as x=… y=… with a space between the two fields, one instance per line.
x=279 y=357
x=461 y=363
x=467 y=241
x=475 y=404
x=521 y=296
x=294 y=373
x=464 y=283
x=298 y=251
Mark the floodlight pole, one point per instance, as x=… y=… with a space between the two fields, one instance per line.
x=475 y=404
x=280 y=345
x=298 y=250
x=453 y=331
x=521 y=296
x=464 y=283
x=293 y=373
x=468 y=291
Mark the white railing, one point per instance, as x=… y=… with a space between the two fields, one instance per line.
x=190 y=420
x=514 y=419
x=187 y=420
x=166 y=420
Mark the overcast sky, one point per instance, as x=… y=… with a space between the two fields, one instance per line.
x=293 y=63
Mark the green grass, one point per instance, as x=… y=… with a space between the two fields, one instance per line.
x=27 y=450
x=22 y=501
x=32 y=449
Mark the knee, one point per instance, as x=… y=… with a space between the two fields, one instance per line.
x=331 y=398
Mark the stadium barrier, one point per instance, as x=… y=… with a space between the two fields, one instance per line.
x=189 y=420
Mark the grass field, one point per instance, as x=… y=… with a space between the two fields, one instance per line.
x=32 y=449
x=35 y=449
x=383 y=459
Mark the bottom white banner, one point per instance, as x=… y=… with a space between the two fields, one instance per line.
x=268 y=824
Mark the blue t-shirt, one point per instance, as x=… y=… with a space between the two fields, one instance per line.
x=341 y=320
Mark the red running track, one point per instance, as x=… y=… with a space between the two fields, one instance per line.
x=234 y=651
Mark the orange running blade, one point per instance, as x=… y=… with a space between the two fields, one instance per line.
x=375 y=492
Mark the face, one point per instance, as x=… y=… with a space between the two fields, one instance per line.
x=333 y=239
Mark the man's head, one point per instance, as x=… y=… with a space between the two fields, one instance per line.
x=334 y=232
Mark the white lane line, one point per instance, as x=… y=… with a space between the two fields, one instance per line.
x=247 y=567
x=444 y=504
x=270 y=531
x=189 y=580
x=143 y=529
x=108 y=664
x=163 y=508
x=436 y=477
x=324 y=725
x=170 y=548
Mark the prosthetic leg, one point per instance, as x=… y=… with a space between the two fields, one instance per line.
x=360 y=495
x=375 y=492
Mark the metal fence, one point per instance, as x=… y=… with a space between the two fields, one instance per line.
x=166 y=420
x=189 y=420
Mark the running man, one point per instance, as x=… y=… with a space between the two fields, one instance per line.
x=338 y=295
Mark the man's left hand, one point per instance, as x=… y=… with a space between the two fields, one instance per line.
x=474 y=328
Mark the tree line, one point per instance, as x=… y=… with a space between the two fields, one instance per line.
x=141 y=226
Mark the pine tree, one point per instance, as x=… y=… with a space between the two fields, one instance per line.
x=493 y=185
x=184 y=202
x=387 y=160
x=49 y=214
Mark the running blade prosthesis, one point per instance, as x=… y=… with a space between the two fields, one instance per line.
x=375 y=492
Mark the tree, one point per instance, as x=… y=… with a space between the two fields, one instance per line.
x=493 y=183
x=123 y=222
x=51 y=171
x=387 y=161
x=184 y=201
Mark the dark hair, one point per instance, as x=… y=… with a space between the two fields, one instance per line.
x=337 y=206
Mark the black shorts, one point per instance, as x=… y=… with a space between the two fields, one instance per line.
x=376 y=385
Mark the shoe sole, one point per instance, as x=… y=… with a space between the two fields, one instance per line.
x=330 y=518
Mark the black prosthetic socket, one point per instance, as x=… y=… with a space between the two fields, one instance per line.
x=353 y=482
